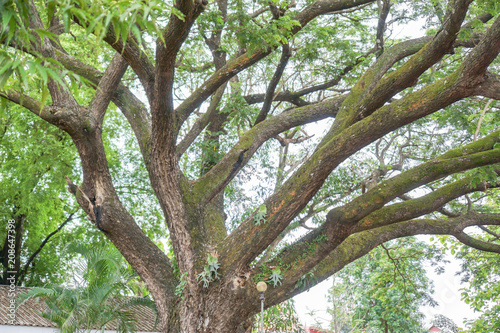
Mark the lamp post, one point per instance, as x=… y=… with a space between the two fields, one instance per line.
x=261 y=287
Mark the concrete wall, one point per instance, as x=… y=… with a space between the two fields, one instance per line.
x=31 y=329
x=27 y=329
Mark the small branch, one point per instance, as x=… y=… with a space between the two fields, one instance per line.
x=448 y=213
x=84 y=202
x=469 y=203
x=201 y=122
x=335 y=80
x=395 y=261
x=258 y=12
x=283 y=96
x=192 y=69
x=483 y=113
x=60 y=94
x=383 y=12
x=347 y=11
x=497 y=236
x=40 y=248
x=289 y=139
x=29 y=103
x=107 y=86
x=285 y=55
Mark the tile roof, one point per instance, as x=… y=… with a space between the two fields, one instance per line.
x=28 y=314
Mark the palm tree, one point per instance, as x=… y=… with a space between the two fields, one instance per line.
x=99 y=295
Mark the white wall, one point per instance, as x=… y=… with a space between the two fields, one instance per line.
x=27 y=329
x=31 y=329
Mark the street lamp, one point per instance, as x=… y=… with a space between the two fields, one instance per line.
x=261 y=287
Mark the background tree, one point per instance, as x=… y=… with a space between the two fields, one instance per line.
x=280 y=318
x=218 y=97
x=445 y=324
x=482 y=273
x=384 y=290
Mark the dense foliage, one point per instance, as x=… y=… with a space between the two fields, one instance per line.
x=481 y=271
x=384 y=290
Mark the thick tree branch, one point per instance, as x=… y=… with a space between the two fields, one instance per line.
x=132 y=53
x=271 y=88
x=167 y=49
x=101 y=203
x=29 y=103
x=359 y=244
x=222 y=173
x=107 y=86
x=414 y=208
x=63 y=117
x=490 y=87
x=132 y=108
x=136 y=58
x=484 y=53
x=166 y=177
x=476 y=243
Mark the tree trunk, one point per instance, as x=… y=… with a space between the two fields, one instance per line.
x=216 y=310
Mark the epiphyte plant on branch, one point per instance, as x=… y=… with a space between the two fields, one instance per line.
x=213 y=91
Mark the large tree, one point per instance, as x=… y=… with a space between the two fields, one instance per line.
x=209 y=90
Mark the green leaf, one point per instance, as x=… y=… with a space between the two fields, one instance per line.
x=137 y=34
x=276 y=277
x=51 y=6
